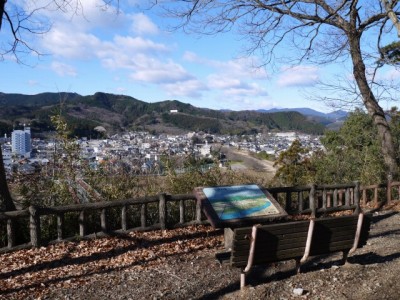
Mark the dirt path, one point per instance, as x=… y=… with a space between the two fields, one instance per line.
x=248 y=161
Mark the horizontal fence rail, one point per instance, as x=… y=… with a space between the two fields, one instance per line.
x=317 y=199
x=141 y=214
x=47 y=225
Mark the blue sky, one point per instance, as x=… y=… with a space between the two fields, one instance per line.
x=133 y=54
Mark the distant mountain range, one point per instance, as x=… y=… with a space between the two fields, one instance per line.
x=333 y=120
x=332 y=116
x=118 y=113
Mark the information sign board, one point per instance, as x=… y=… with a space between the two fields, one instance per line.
x=238 y=205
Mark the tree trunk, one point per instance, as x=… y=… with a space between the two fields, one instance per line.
x=372 y=106
x=6 y=202
x=2 y=5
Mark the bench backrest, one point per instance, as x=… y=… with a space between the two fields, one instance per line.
x=337 y=234
x=278 y=242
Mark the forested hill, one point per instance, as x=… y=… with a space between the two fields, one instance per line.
x=118 y=112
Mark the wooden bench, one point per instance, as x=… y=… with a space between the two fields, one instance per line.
x=262 y=244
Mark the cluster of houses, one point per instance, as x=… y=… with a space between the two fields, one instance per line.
x=141 y=152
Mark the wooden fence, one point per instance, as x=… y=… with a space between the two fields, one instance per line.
x=46 y=225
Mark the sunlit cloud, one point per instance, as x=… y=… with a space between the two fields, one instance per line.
x=63 y=42
x=298 y=76
x=142 y=25
x=33 y=82
x=156 y=72
x=239 y=68
x=189 y=88
x=120 y=90
x=219 y=82
x=63 y=69
x=390 y=74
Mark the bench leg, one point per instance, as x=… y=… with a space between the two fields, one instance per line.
x=345 y=255
x=251 y=256
x=242 y=280
x=298 y=266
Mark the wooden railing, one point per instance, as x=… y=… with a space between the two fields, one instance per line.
x=54 y=224
x=377 y=193
x=185 y=208
x=317 y=199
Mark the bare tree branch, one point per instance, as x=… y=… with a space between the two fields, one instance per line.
x=389 y=8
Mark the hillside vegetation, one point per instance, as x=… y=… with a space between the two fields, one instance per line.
x=118 y=113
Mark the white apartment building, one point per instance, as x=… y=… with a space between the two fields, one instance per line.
x=21 y=142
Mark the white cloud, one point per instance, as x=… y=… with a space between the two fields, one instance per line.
x=298 y=76
x=217 y=81
x=237 y=68
x=154 y=71
x=138 y=44
x=142 y=25
x=191 y=57
x=242 y=68
x=235 y=87
x=388 y=74
x=246 y=90
x=190 y=88
x=66 y=43
x=80 y=15
x=120 y=90
x=63 y=69
x=242 y=102
x=250 y=104
x=33 y=82
x=236 y=79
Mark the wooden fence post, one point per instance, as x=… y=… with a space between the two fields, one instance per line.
x=143 y=215
x=60 y=226
x=198 y=211
x=347 y=197
x=34 y=226
x=356 y=195
x=389 y=189
x=162 y=210
x=335 y=198
x=10 y=233
x=82 y=223
x=364 y=196
x=324 y=199
x=181 y=211
x=288 y=202
x=300 y=199
x=124 y=222
x=398 y=192
x=103 y=220
x=312 y=201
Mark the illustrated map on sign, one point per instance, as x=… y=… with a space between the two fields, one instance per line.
x=241 y=201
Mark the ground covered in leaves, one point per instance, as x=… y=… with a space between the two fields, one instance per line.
x=180 y=264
